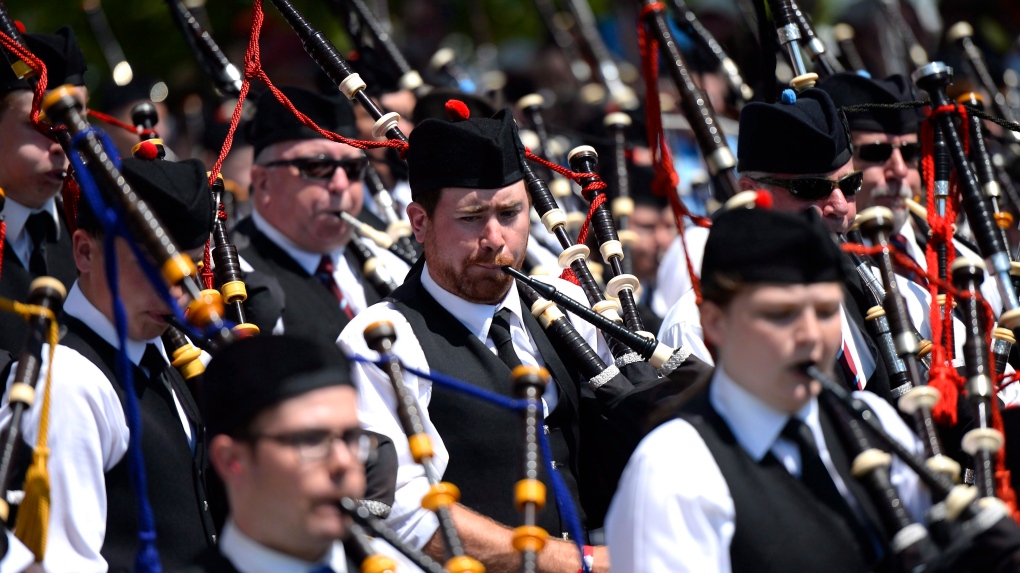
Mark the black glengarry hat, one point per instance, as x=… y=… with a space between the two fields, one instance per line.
x=65 y=62
x=274 y=123
x=476 y=153
x=256 y=373
x=177 y=191
x=803 y=134
x=752 y=246
x=848 y=89
x=433 y=104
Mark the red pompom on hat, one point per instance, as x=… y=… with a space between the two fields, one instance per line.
x=457 y=110
x=763 y=200
x=146 y=150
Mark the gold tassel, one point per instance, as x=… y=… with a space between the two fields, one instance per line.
x=34 y=513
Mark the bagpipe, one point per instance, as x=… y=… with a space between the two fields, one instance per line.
x=955 y=169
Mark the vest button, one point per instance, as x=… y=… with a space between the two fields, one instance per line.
x=553 y=464
x=545 y=427
x=205 y=506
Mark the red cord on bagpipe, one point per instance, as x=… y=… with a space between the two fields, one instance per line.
x=942 y=376
x=253 y=70
x=666 y=179
x=11 y=45
x=118 y=123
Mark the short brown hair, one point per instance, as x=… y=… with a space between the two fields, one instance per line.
x=428 y=200
x=721 y=288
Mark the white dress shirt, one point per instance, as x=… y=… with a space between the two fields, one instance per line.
x=377 y=400
x=665 y=517
x=672 y=279
x=16 y=215
x=682 y=327
x=989 y=290
x=250 y=556
x=88 y=436
x=343 y=274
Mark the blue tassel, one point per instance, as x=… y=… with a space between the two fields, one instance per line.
x=147 y=558
x=789 y=97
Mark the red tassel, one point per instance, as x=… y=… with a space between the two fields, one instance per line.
x=665 y=182
x=20 y=26
x=457 y=110
x=70 y=192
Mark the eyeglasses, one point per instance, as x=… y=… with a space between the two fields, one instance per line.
x=323 y=168
x=817 y=188
x=318 y=445
x=880 y=152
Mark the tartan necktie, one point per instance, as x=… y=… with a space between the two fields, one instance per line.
x=324 y=273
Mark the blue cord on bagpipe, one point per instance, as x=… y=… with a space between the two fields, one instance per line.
x=564 y=501
x=112 y=222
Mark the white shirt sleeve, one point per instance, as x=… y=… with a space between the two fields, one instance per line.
x=918 y=301
x=682 y=327
x=665 y=515
x=88 y=436
x=18 y=557
x=377 y=412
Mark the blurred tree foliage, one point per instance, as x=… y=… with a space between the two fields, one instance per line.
x=156 y=48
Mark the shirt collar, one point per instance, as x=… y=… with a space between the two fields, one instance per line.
x=16 y=215
x=474 y=316
x=250 y=556
x=308 y=261
x=81 y=308
x=755 y=425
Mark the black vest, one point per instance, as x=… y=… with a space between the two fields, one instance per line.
x=15 y=280
x=485 y=442
x=780 y=525
x=307 y=307
x=176 y=478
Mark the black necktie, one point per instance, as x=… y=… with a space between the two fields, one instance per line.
x=813 y=472
x=153 y=361
x=499 y=331
x=40 y=229
x=170 y=381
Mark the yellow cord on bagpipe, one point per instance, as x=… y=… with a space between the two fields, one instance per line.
x=34 y=513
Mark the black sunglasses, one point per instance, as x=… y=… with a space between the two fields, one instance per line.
x=817 y=188
x=324 y=168
x=880 y=152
